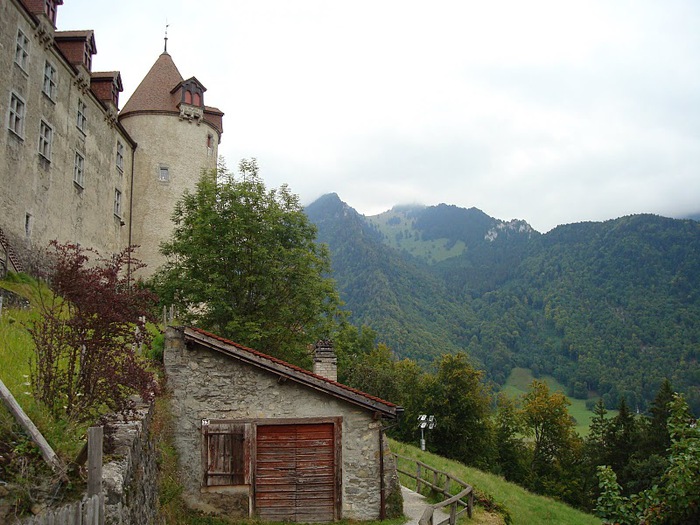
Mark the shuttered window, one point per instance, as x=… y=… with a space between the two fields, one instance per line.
x=225 y=453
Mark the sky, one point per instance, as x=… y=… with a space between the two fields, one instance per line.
x=554 y=112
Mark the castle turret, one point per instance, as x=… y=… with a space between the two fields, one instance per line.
x=177 y=137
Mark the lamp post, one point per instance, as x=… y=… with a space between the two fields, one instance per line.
x=425 y=421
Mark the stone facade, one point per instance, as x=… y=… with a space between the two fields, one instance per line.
x=75 y=169
x=160 y=137
x=130 y=478
x=209 y=385
x=40 y=201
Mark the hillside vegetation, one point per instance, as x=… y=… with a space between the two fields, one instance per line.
x=520 y=380
x=524 y=508
x=609 y=309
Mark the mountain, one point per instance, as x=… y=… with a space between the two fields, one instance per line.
x=609 y=308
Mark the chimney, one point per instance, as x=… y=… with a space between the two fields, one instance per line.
x=325 y=361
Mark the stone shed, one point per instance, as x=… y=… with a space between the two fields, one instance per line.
x=260 y=437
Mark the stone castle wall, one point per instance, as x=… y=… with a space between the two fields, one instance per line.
x=185 y=149
x=39 y=201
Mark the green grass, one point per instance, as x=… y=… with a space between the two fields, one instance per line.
x=399 y=233
x=16 y=352
x=518 y=384
x=524 y=507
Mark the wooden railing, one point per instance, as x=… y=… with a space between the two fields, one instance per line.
x=421 y=475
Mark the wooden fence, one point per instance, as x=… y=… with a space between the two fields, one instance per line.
x=86 y=512
x=91 y=509
x=438 y=482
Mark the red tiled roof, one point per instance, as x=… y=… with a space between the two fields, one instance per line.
x=153 y=93
x=299 y=370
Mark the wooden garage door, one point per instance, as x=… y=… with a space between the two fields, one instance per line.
x=295 y=473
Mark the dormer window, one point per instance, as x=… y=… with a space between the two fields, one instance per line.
x=50 y=10
x=191 y=92
x=115 y=93
x=87 y=56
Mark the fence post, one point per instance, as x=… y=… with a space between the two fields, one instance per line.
x=418 y=477
x=94 y=472
x=470 y=503
x=447 y=486
x=453 y=513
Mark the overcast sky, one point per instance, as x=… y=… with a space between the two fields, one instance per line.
x=549 y=111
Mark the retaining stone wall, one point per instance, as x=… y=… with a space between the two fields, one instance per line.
x=129 y=480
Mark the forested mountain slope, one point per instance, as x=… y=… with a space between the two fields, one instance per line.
x=610 y=307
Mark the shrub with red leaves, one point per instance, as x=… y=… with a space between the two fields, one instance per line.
x=90 y=333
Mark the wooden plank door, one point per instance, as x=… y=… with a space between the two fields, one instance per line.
x=295 y=473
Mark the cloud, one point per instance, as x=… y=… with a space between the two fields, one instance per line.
x=548 y=111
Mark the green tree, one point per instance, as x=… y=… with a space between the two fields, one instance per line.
x=512 y=453
x=556 y=449
x=622 y=441
x=658 y=439
x=461 y=403
x=242 y=262
x=676 y=499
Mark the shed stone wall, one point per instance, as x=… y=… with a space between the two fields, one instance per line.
x=209 y=385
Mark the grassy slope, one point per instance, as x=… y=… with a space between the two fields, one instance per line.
x=400 y=235
x=525 y=508
x=16 y=351
x=518 y=384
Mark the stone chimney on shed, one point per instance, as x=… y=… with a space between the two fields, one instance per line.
x=325 y=361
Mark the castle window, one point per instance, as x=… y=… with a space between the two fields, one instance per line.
x=50 y=10
x=163 y=174
x=87 y=56
x=120 y=156
x=16 y=119
x=50 y=75
x=82 y=116
x=45 y=140
x=117 y=203
x=22 y=50
x=115 y=94
x=79 y=170
x=28 y=224
x=188 y=97
x=197 y=100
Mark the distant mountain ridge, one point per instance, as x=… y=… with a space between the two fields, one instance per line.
x=606 y=307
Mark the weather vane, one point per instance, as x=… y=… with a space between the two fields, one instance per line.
x=165 y=50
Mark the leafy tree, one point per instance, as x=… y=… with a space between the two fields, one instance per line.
x=547 y=419
x=511 y=451
x=243 y=263
x=676 y=499
x=87 y=338
x=461 y=403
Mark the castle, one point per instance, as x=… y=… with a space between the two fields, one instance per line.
x=74 y=167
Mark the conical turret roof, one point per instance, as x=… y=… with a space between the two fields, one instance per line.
x=154 y=91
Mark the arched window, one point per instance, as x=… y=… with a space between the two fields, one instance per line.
x=188 y=97
x=197 y=99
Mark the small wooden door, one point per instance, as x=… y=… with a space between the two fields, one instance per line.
x=295 y=473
